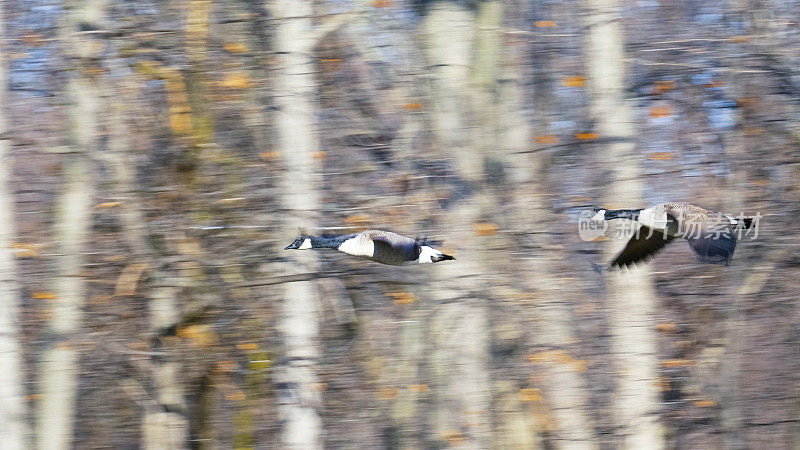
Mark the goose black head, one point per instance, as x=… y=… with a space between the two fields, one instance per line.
x=301 y=243
x=608 y=214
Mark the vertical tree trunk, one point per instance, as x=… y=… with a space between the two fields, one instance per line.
x=162 y=426
x=60 y=364
x=13 y=427
x=459 y=327
x=631 y=296
x=296 y=121
x=565 y=389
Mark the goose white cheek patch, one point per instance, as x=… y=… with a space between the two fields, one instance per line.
x=427 y=254
x=305 y=245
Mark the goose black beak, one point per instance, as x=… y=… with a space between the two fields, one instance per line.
x=443 y=258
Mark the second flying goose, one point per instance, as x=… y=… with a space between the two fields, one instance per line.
x=711 y=235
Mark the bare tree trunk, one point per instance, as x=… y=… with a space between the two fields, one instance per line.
x=60 y=364
x=296 y=116
x=565 y=391
x=459 y=361
x=631 y=296
x=162 y=426
x=13 y=426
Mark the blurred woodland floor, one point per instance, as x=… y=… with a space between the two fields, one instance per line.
x=187 y=93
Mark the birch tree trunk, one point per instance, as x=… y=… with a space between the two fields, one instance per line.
x=631 y=296
x=60 y=365
x=13 y=426
x=163 y=427
x=460 y=330
x=565 y=389
x=295 y=122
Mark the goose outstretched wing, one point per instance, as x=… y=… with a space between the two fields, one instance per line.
x=641 y=246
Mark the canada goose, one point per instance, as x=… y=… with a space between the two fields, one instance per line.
x=710 y=234
x=380 y=246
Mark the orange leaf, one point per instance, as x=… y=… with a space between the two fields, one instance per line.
x=586 y=136
x=236 y=80
x=415 y=105
x=24 y=250
x=704 y=403
x=660 y=111
x=663 y=86
x=677 y=362
x=739 y=39
x=544 y=24
x=559 y=356
x=402 y=297
x=269 y=155
x=667 y=327
x=358 y=219
x=418 y=387
x=234 y=47
x=660 y=156
x=546 y=139
x=44 y=295
x=108 y=204
x=235 y=396
x=530 y=395
x=319 y=155
x=574 y=81
x=382 y=3
x=454 y=438
x=662 y=383
x=198 y=335
x=331 y=60
x=387 y=393
x=247 y=346
x=485 y=229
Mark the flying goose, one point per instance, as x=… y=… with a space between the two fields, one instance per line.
x=711 y=235
x=380 y=246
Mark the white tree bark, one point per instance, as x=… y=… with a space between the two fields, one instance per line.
x=13 y=426
x=631 y=296
x=565 y=391
x=296 y=122
x=60 y=364
x=459 y=327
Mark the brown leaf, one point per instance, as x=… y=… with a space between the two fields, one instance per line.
x=485 y=229
x=234 y=47
x=530 y=395
x=128 y=279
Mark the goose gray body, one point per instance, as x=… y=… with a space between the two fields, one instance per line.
x=711 y=235
x=380 y=246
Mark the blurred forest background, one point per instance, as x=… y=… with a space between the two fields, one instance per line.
x=158 y=155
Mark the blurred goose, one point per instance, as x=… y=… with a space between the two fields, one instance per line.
x=710 y=234
x=380 y=246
